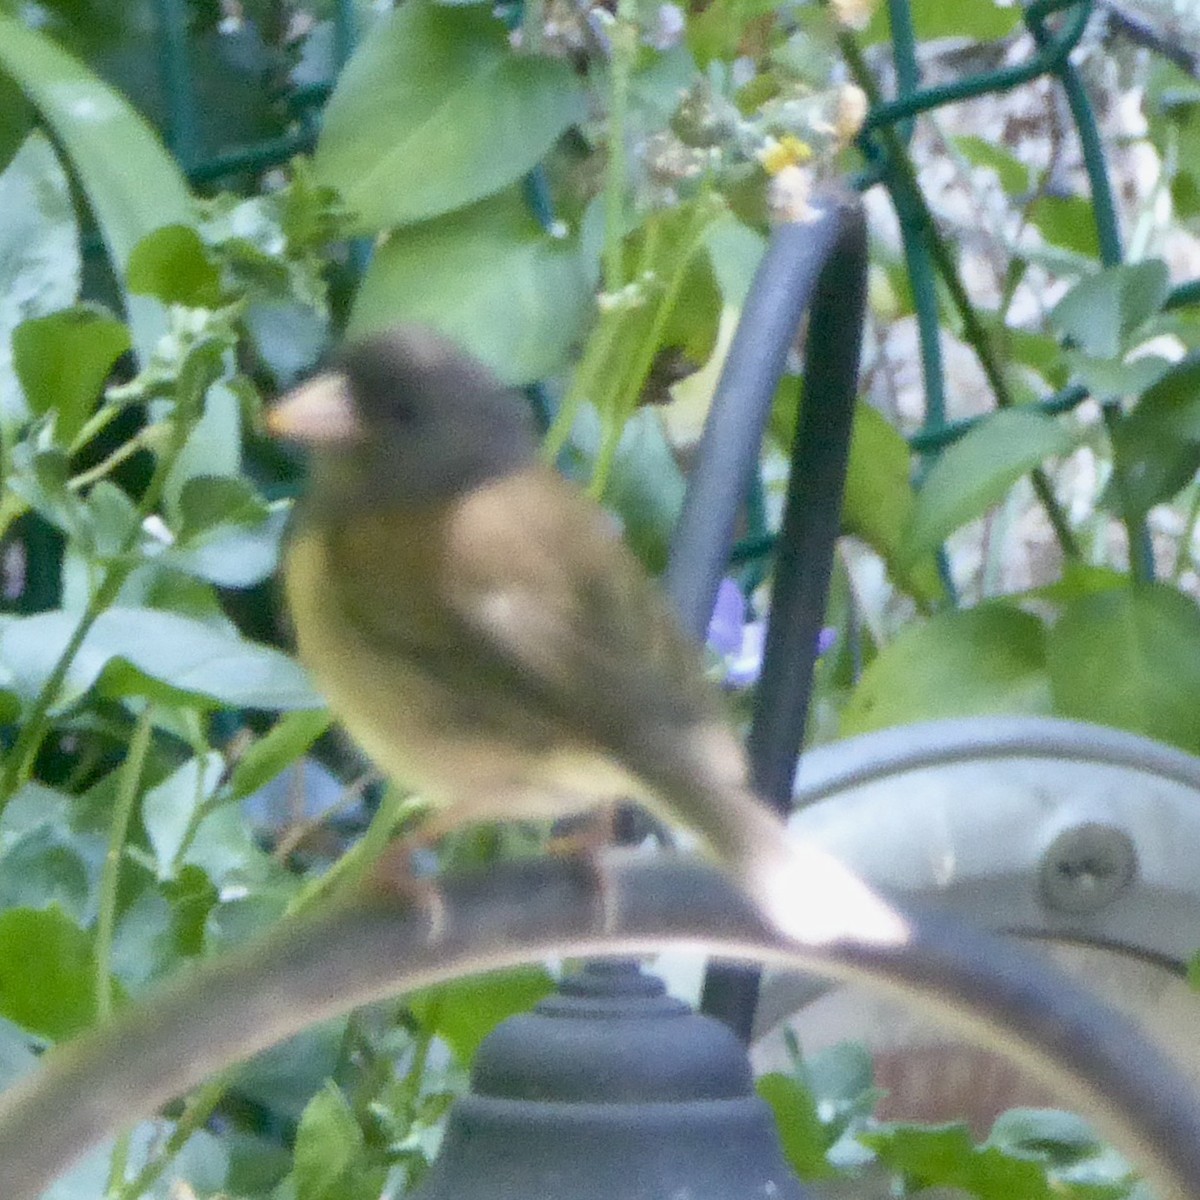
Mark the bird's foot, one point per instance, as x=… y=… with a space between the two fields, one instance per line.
x=589 y=848
x=406 y=870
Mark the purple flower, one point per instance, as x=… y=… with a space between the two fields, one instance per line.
x=740 y=642
x=742 y=669
x=728 y=618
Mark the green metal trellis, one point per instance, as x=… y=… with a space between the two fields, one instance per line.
x=883 y=140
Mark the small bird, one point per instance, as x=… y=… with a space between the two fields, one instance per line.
x=478 y=625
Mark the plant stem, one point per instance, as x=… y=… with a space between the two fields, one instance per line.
x=628 y=384
x=127 y=793
x=126 y=451
x=110 y=878
x=342 y=874
x=195 y=1116
x=624 y=49
x=19 y=765
x=595 y=356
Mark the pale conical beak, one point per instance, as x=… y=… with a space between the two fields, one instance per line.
x=319 y=412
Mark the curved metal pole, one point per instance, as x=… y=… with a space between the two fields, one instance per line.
x=379 y=944
x=818 y=267
x=729 y=447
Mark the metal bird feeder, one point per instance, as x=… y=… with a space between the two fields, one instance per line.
x=610 y=1088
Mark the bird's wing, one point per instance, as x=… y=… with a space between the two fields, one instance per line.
x=547 y=586
x=530 y=591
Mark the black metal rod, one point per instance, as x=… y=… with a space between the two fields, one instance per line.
x=820 y=268
x=812 y=514
x=729 y=446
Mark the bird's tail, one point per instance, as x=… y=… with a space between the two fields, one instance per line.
x=799 y=887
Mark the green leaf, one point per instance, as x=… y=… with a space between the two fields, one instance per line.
x=1110 y=379
x=112 y=520
x=213 y=446
x=192 y=896
x=232 y=555
x=646 y=488
x=933 y=1154
x=273 y=753
x=802 y=1135
x=173 y=264
x=1078 y=579
x=944 y=1156
x=979 y=20
x=63 y=361
x=132 y=184
x=16 y=120
x=141 y=651
x=842 y=1077
x=735 y=250
x=47 y=973
x=1172 y=106
x=646 y=485
x=169 y=808
x=39 y=254
x=40 y=477
x=671 y=247
x=1066 y=221
x=1015 y=177
x=1157 y=445
x=464 y=1013
x=1102 y=311
x=716 y=31
x=206 y=501
x=879 y=499
x=1130 y=658
x=328 y=1144
x=31 y=807
x=224 y=848
x=144 y=944
x=50 y=867
x=988 y=659
x=1060 y=1138
x=489 y=279
x=436 y=111
x=977 y=470
x=1040 y=352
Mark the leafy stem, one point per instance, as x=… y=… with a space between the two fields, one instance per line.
x=349 y=868
x=583 y=384
x=195 y=1116
x=19 y=765
x=624 y=50
x=121 y=454
x=627 y=384
x=110 y=877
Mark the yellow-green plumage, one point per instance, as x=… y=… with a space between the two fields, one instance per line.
x=476 y=624
x=487 y=650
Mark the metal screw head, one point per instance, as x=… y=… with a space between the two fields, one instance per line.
x=1086 y=868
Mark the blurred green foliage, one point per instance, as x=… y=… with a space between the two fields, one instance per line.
x=581 y=203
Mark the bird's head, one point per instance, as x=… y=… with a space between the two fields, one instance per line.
x=405 y=417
